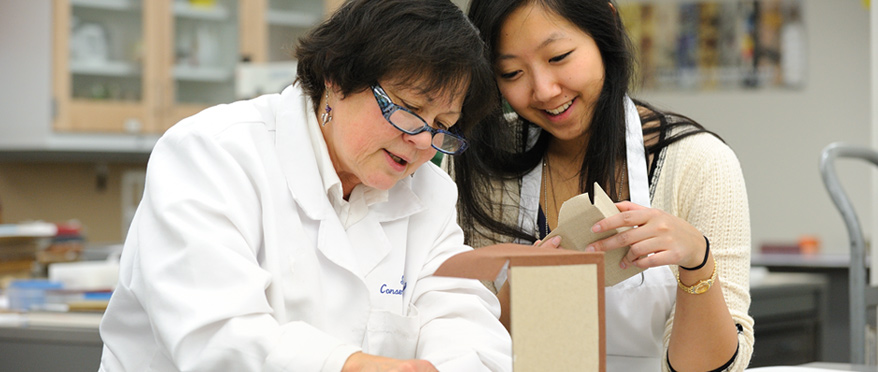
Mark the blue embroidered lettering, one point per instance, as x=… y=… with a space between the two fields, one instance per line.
x=385 y=290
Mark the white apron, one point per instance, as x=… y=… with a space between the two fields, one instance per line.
x=638 y=308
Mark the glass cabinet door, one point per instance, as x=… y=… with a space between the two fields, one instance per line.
x=288 y=20
x=140 y=66
x=204 y=54
x=99 y=66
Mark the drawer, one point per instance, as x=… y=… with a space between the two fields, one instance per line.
x=785 y=343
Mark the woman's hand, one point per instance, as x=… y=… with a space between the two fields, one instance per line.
x=362 y=362
x=555 y=242
x=656 y=238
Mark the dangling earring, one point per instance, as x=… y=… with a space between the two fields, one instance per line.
x=327 y=111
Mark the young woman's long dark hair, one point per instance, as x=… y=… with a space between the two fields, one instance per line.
x=500 y=148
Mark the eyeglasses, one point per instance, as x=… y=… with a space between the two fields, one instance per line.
x=410 y=123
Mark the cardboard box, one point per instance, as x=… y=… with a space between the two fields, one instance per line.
x=552 y=303
x=575 y=219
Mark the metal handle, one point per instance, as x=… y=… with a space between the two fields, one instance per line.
x=857 y=275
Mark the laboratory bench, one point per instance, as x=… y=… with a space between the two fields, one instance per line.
x=835 y=339
x=841 y=367
x=790 y=310
x=54 y=346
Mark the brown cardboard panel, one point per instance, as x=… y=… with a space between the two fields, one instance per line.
x=485 y=263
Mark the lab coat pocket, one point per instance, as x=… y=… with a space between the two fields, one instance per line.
x=159 y=363
x=393 y=335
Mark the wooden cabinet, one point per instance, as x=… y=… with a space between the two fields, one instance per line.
x=199 y=49
x=101 y=60
x=114 y=74
x=208 y=42
x=276 y=24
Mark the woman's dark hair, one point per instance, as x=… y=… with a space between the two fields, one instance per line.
x=500 y=147
x=430 y=42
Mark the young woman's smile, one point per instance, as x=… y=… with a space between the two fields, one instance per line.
x=549 y=70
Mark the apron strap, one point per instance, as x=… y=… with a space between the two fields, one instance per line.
x=638 y=186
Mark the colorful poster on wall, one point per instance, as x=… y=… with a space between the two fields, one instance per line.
x=710 y=45
x=665 y=28
x=728 y=39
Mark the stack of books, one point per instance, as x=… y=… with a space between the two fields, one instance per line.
x=19 y=244
x=66 y=245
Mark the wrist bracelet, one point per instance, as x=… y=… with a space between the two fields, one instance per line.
x=702 y=286
x=706 y=253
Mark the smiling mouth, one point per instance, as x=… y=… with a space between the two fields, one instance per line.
x=560 y=109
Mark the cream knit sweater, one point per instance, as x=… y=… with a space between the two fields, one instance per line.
x=698 y=179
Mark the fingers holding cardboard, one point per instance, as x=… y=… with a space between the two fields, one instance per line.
x=629 y=215
x=575 y=219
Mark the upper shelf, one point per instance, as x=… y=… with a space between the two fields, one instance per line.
x=292 y=18
x=216 y=12
x=203 y=73
x=107 y=68
x=107 y=4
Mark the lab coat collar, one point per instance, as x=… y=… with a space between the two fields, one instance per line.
x=297 y=156
x=380 y=226
x=401 y=202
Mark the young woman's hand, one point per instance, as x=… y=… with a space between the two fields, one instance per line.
x=658 y=239
x=362 y=362
x=555 y=242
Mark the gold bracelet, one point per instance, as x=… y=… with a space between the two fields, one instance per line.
x=702 y=286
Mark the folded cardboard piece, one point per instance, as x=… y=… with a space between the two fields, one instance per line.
x=575 y=219
x=552 y=303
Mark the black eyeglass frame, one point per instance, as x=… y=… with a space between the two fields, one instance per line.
x=388 y=108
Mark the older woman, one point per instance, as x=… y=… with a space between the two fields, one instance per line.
x=299 y=231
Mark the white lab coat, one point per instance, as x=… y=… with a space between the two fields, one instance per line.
x=237 y=261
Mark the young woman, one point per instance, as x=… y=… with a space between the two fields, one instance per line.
x=564 y=68
x=299 y=231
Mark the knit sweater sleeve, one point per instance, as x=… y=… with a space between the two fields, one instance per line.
x=701 y=182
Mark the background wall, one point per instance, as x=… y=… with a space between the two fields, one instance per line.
x=873 y=16
x=58 y=192
x=778 y=134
